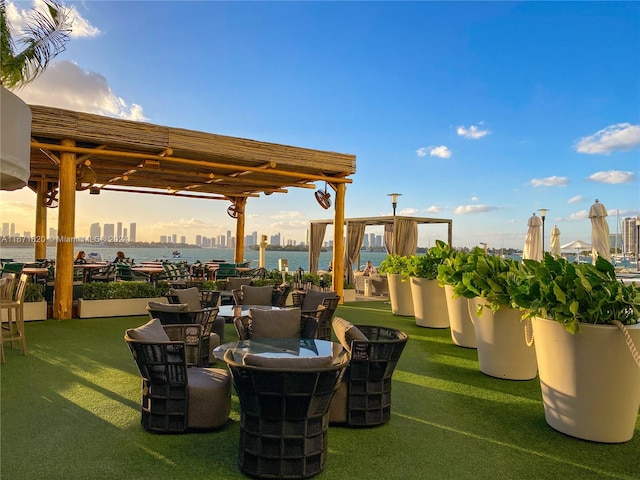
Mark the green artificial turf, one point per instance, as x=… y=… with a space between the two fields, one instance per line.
x=70 y=410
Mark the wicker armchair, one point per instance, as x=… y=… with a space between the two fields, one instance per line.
x=194 y=297
x=176 y=398
x=284 y=415
x=199 y=345
x=287 y=323
x=313 y=302
x=364 y=398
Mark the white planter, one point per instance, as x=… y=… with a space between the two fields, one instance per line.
x=589 y=380
x=15 y=148
x=502 y=347
x=429 y=303
x=32 y=311
x=115 y=308
x=349 y=295
x=400 y=295
x=463 y=333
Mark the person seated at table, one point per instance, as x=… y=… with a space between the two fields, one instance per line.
x=79 y=259
x=330 y=266
x=369 y=269
x=120 y=258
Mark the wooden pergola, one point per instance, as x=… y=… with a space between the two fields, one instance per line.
x=74 y=152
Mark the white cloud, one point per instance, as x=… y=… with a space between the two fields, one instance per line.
x=433 y=209
x=619 y=137
x=65 y=85
x=474 y=198
x=287 y=215
x=407 y=212
x=441 y=151
x=576 y=199
x=553 y=181
x=464 y=209
x=422 y=151
x=613 y=176
x=581 y=215
x=473 y=132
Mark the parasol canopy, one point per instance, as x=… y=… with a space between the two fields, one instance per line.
x=576 y=245
x=555 y=242
x=533 y=241
x=599 y=232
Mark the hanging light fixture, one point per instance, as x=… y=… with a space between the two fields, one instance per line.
x=323 y=197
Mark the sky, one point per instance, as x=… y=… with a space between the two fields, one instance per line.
x=480 y=112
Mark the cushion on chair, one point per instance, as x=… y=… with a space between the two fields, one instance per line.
x=190 y=296
x=286 y=363
x=313 y=298
x=346 y=332
x=234 y=283
x=167 y=307
x=209 y=397
x=274 y=323
x=256 y=295
x=150 y=332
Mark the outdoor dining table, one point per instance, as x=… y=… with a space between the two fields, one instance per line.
x=229 y=312
x=89 y=268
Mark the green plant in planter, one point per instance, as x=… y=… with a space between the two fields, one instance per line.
x=489 y=277
x=120 y=290
x=395 y=264
x=450 y=271
x=426 y=266
x=33 y=293
x=571 y=294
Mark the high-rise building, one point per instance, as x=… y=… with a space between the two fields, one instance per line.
x=119 y=230
x=5 y=229
x=163 y=239
x=124 y=234
x=222 y=241
x=132 y=232
x=53 y=233
x=108 y=232
x=12 y=230
x=630 y=235
x=183 y=239
x=275 y=239
x=94 y=231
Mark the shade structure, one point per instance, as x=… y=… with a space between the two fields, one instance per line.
x=599 y=232
x=555 y=242
x=577 y=246
x=533 y=241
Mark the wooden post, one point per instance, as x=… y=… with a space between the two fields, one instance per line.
x=41 y=220
x=63 y=289
x=338 y=241
x=241 y=204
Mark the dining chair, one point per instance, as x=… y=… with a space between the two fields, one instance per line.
x=284 y=323
x=13 y=330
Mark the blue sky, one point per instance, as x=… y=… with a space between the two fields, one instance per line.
x=482 y=112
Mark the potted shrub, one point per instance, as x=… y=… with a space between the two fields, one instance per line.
x=500 y=333
x=35 y=306
x=396 y=267
x=429 y=302
x=585 y=325
x=450 y=275
x=114 y=299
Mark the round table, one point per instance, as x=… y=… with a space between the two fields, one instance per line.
x=229 y=312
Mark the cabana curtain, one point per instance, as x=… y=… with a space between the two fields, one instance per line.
x=407 y=237
x=355 y=235
x=317 y=237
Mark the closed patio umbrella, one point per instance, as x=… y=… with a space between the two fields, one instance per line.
x=533 y=242
x=599 y=232
x=555 y=242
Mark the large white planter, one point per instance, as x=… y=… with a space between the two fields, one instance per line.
x=349 y=295
x=400 y=295
x=589 y=380
x=501 y=344
x=429 y=303
x=463 y=332
x=32 y=311
x=115 y=308
x=15 y=148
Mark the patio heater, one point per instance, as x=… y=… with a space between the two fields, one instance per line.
x=543 y=214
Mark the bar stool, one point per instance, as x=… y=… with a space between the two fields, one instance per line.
x=14 y=329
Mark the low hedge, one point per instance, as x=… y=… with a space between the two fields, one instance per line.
x=113 y=290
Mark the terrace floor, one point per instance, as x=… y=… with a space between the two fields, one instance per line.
x=70 y=410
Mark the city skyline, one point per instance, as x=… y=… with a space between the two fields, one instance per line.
x=479 y=112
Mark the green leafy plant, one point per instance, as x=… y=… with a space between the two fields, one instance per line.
x=571 y=294
x=120 y=290
x=426 y=266
x=33 y=293
x=24 y=57
x=395 y=264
